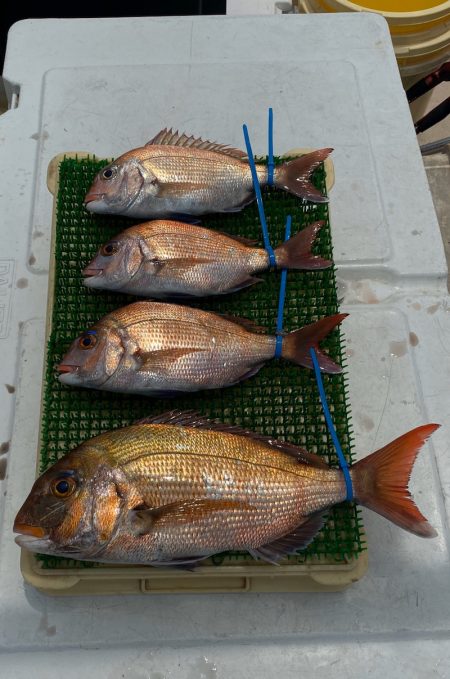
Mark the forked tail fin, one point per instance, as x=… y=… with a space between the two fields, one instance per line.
x=296 y=345
x=295 y=175
x=296 y=253
x=380 y=481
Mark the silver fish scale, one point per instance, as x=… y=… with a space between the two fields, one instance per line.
x=211 y=262
x=197 y=182
x=218 y=351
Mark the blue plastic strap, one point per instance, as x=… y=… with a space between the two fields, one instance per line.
x=257 y=188
x=342 y=461
x=270 y=161
x=279 y=330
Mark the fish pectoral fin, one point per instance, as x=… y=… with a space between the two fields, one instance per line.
x=153 y=360
x=292 y=542
x=168 y=189
x=181 y=263
x=188 y=511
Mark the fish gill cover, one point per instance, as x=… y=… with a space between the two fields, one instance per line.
x=282 y=400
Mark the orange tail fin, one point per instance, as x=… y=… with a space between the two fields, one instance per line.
x=296 y=253
x=295 y=175
x=380 y=481
x=296 y=344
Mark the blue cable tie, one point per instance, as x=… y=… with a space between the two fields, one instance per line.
x=326 y=411
x=282 y=297
x=257 y=189
x=270 y=161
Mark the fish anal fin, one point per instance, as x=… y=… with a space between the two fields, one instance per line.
x=293 y=542
x=169 y=137
x=194 y=420
x=246 y=283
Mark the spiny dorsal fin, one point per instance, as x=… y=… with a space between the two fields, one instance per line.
x=251 y=242
x=245 y=323
x=170 y=138
x=190 y=418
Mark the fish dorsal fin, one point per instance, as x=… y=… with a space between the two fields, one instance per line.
x=173 y=138
x=190 y=418
x=251 y=242
x=245 y=323
x=298 y=539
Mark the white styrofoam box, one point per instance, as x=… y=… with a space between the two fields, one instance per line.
x=106 y=85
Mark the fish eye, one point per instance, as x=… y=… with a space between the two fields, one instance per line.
x=109 y=249
x=63 y=487
x=87 y=341
x=109 y=173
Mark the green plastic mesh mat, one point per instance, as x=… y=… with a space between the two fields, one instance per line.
x=282 y=400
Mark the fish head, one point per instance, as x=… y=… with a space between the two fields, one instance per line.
x=93 y=357
x=115 y=263
x=117 y=186
x=73 y=509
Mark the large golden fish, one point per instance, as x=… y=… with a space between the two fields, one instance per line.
x=178 y=488
x=176 y=174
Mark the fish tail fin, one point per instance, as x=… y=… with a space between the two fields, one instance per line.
x=297 y=344
x=295 y=175
x=380 y=481
x=296 y=253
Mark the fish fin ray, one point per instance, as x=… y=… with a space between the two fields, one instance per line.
x=381 y=481
x=143 y=521
x=251 y=242
x=297 y=344
x=292 y=542
x=294 y=175
x=190 y=418
x=245 y=323
x=246 y=283
x=296 y=253
x=169 y=137
x=156 y=359
x=181 y=263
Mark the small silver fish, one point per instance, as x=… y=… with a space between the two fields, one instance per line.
x=159 y=349
x=164 y=258
x=175 y=174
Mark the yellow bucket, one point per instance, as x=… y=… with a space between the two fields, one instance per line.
x=420 y=34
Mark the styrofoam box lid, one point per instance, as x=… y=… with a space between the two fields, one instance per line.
x=107 y=85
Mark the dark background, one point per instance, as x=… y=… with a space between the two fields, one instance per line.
x=12 y=11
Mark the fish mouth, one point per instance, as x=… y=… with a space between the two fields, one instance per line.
x=65 y=368
x=90 y=272
x=27 y=531
x=92 y=196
